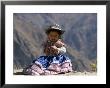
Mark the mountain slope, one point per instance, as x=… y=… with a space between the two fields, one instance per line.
x=80 y=37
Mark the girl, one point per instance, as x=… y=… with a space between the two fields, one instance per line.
x=54 y=61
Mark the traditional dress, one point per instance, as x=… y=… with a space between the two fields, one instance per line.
x=52 y=62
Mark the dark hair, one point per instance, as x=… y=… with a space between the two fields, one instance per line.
x=54 y=30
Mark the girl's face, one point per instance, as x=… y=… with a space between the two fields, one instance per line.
x=53 y=36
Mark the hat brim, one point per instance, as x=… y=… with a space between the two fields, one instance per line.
x=57 y=30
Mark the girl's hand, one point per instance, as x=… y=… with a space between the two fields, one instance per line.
x=59 y=44
x=54 y=49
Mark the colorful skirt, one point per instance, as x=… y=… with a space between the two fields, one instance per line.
x=49 y=65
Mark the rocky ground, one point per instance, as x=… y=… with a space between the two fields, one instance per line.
x=19 y=72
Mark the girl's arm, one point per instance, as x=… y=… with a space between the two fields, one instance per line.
x=61 y=50
x=61 y=46
x=45 y=49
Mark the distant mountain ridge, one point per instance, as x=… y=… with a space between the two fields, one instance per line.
x=80 y=37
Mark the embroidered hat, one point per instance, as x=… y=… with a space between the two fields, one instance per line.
x=55 y=28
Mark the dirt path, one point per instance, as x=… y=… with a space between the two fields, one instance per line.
x=19 y=72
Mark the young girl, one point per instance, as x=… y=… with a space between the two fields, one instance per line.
x=55 y=61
